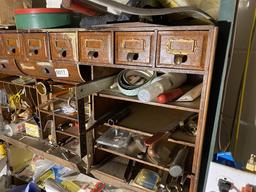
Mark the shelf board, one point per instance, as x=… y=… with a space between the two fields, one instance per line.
x=186 y=106
x=69 y=132
x=8 y=80
x=178 y=136
x=70 y=117
x=131 y=158
x=45 y=150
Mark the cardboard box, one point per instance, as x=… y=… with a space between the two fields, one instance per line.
x=32 y=129
x=7 y=15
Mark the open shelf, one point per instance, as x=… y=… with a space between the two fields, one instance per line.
x=116 y=152
x=115 y=178
x=45 y=150
x=186 y=106
x=148 y=119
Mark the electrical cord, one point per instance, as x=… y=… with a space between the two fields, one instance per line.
x=243 y=87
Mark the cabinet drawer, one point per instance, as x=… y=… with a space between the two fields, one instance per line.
x=36 y=46
x=37 y=69
x=8 y=66
x=134 y=48
x=182 y=49
x=12 y=45
x=63 y=46
x=95 y=47
x=66 y=71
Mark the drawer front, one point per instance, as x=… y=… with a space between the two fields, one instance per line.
x=63 y=46
x=182 y=49
x=8 y=66
x=66 y=71
x=12 y=45
x=37 y=69
x=95 y=47
x=36 y=46
x=134 y=48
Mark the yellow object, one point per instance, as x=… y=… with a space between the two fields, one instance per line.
x=32 y=129
x=242 y=93
x=251 y=164
x=70 y=186
x=2 y=150
x=47 y=175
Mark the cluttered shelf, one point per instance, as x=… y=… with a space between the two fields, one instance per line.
x=137 y=121
x=143 y=161
x=179 y=136
x=192 y=106
x=117 y=178
x=45 y=150
x=131 y=181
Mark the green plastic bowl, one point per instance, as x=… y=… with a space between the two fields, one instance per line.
x=42 y=18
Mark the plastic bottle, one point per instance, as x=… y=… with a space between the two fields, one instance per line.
x=160 y=85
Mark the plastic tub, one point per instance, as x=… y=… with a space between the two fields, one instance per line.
x=42 y=18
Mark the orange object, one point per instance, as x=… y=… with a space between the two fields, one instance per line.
x=170 y=96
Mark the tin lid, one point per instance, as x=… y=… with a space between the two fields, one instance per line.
x=41 y=10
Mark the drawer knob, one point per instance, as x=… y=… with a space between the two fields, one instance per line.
x=2 y=66
x=178 y=59
x=93 y=54
x=63 y=53
x=11 y=50
x=132 y=57
x=46 y=71
x=33 y=52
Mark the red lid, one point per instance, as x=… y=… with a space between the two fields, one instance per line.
x=41 y=10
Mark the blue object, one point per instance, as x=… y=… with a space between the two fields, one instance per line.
x=30 y=187
x=226 y=158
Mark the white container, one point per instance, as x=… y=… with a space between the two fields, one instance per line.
x=160 y=85
x=53 y=3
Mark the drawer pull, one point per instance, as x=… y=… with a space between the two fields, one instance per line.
x=46 y=71
x=93 y=54
x=63 y=53
x=11 y=50
x=178 y=59
x=132 y=57
x=33 y=52
x=2 y=66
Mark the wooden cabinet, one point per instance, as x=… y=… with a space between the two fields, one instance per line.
x=134 y=48
x=95 y=47
x=70 y=56
x=182 y=49
x=36 y=46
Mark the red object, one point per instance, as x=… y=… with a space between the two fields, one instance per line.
x=76 y=7
x=169 y=96
x=41 y=10
x=99 y=187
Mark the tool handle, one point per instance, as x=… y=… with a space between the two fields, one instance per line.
x=169 y=96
